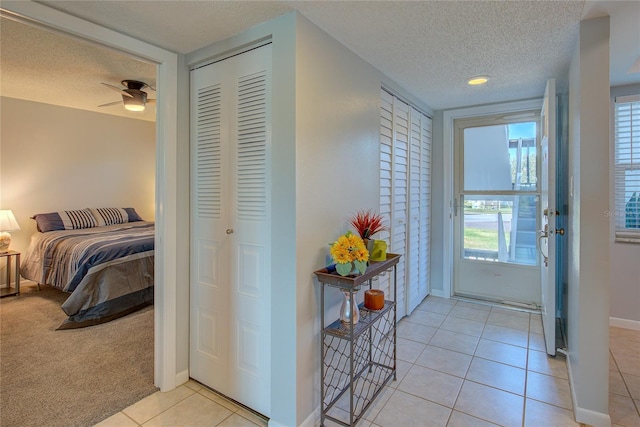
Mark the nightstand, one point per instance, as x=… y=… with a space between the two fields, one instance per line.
x=9 y=291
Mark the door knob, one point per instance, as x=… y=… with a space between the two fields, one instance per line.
x=560 y=231
x=229 y=231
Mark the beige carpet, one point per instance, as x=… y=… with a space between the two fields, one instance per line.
x=74 y=377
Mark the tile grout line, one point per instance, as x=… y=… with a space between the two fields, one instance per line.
x=626 y=386
x=165 y=410
x=526 y=375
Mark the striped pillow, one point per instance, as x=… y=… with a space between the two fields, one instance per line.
x=110 y=216
x=65 y=220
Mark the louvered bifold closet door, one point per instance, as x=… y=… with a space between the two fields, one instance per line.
x=400 y=205
x=425 y=207
x=394 y=178
x=230 y=299
x=405 y=196
x=386 y=172
x=414 y=248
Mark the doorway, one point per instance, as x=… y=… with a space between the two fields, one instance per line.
x=168 y=354
x=496 y=208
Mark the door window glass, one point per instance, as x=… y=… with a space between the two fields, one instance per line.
x=500 y=197
x=501 y=157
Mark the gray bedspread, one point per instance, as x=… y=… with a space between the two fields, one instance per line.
x=108 y=270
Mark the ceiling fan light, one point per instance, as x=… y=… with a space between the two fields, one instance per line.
x=133 y=106
x=477 y=80
x=136 y=102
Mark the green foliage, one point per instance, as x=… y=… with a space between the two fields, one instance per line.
x=361 y=266
x=344 y=269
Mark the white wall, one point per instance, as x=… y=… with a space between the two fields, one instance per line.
x=337 y=173
x=56 y=158
x=588 y=318
x=625 y=268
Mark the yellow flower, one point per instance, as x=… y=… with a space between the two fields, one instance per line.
x=340 y=250
x=355 y=242
x=361 y=254
x=348 y=248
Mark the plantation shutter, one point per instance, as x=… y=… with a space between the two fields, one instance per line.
x=627 y=168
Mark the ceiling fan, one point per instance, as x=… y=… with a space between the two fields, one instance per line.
x=133 y=97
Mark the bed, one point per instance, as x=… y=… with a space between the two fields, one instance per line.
x=107 y=268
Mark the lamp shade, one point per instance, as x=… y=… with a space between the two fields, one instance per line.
x=8 y=221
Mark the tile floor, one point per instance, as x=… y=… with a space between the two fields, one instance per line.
x=459 y=364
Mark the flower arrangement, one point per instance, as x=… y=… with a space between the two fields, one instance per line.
x=349 y=252
x=367 y=223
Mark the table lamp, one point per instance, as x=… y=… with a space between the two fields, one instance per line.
x=7 y=223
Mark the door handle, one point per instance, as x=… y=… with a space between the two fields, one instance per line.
x=560 y=231
x=229 y=231
x=544 y=234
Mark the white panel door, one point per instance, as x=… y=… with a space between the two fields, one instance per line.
x=548 y=199
x=230 y=267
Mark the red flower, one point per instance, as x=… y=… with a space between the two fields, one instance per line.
x=367 y=223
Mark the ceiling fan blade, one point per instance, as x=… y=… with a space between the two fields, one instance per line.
x=119 y=90
x=110 y=104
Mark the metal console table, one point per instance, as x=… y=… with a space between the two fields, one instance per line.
x=357 y=361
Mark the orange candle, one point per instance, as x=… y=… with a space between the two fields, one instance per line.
x=374 y=299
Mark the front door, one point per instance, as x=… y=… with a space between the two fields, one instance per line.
x=547 y=236
x=496 y=209
x=230 y=305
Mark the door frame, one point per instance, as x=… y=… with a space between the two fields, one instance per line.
x=448 y=161
x=166 y=296
x=486 y=285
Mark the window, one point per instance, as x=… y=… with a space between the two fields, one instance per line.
x=627 y=168
x=498 y=190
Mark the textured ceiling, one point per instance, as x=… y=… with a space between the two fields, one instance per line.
x=428 y=47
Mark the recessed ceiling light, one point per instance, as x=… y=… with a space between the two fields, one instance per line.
x=478 y=80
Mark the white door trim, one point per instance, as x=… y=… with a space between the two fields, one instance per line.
x=166 y=253
x=448 y=118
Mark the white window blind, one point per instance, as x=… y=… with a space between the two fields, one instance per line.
x=627 y=168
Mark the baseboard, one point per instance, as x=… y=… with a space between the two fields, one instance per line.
x=624 y=323
x=582 y=415
x=182 y=377
x=592 y=418
x=305 y=423
x=312 y=420
x=438 y=293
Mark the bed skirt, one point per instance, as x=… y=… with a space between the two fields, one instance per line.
x=111 y=290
